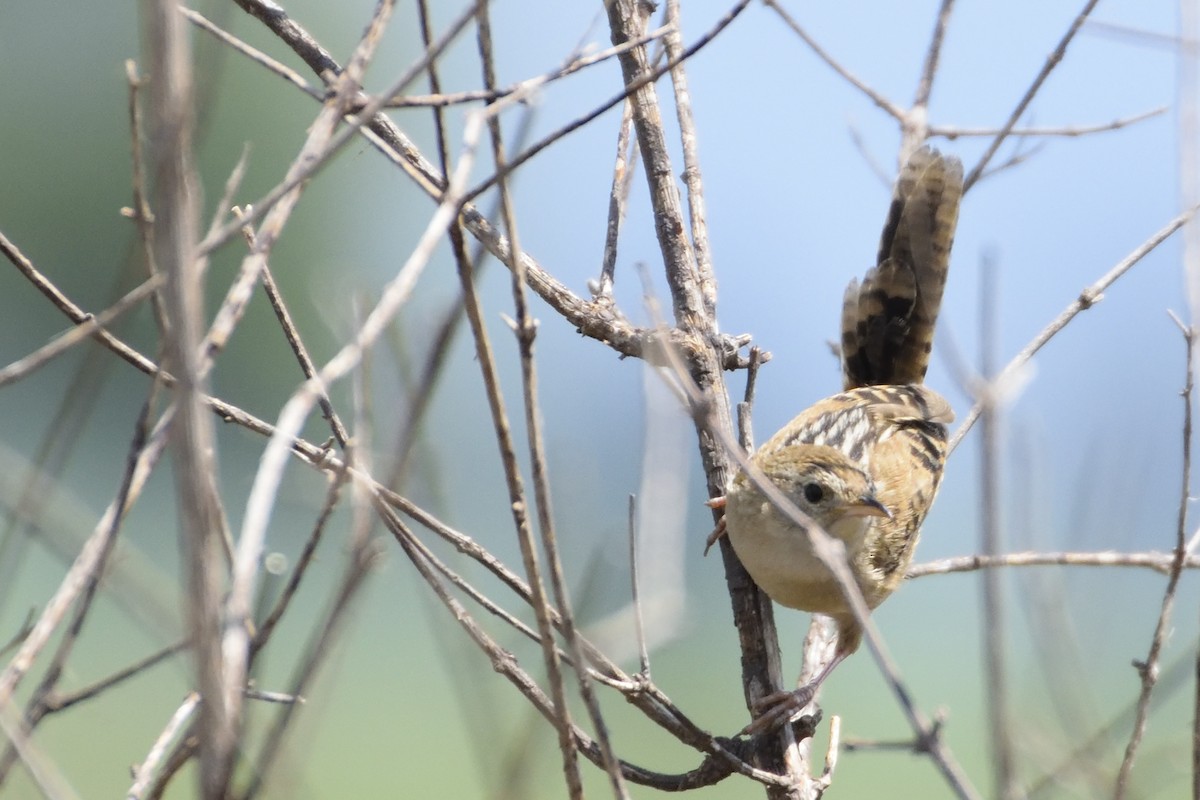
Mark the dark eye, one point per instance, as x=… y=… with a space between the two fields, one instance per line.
x=813 y=492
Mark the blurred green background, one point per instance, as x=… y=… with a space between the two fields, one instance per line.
x=404 y=705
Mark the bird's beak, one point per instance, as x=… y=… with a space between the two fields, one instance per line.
x=868 y=506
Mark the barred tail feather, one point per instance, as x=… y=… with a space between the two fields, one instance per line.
x=888 y=320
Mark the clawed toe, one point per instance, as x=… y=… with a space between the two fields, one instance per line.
x=778 y=708
x=717 y=533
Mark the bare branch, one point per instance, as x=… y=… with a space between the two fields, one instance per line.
x=932 y=54
x=1052 y=61
x=526 y=330
x=1069 y=131
x=1159 y=562
x=691 y=164
x=875 y=97
x=1087 y=298
x=26 y=366
x=147 y=774
x=1148 y=669
x=992 y=624
x=639 y=626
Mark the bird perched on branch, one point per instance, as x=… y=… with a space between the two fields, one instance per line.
x=864 y=464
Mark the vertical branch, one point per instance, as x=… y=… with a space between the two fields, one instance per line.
x=175 y=237
x=691 y=162
x=996 y=674
x=142 y=214
x=622 y=172
x=932 y=55
x=678 y=256
x=526 y=330
x=639 y=626
x=1148 y=669
x=914 y=125
x=752 y=611
x=1188 y=86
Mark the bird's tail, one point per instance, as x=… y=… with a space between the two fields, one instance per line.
x=888 y=319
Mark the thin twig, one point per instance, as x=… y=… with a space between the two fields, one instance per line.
x=350 y=128
x=1087 y=298
x=140 y=211
x=422 y=393
x=1148 y=669
x=992 y=624
x=282 y=698
x=1068 y=131
x=1052 y=61
x=85 y=565
x=150 y=770
x=504 y=664
x=526 y=330
x=831 y=755
x=238 y=608
x=638 y=626
x=21 y=634
x=1086 y=753
x=932 y=55
x=575 y=63
x=59 y=702
x=745 y=409
x=691 y=162
x=255 y=55
x=1159 y=562
x=618 y=198
x=597 y=319
x=292 y=334
x=332 y=497
x=646 y=78
x=1185 y=42
x=421 y=397
x=878 y=99
x=24 y=367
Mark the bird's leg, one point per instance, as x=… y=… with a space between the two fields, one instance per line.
x=777 y=708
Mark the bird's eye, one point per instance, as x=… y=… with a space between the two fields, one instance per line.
x=813 y=492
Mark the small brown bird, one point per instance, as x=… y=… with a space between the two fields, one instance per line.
x=864 y=464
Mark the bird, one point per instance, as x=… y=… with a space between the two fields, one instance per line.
x=864 y=464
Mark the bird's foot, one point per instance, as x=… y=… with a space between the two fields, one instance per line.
x=719 y=531
x=778 y=708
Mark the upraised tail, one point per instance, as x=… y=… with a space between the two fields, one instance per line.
x=888 y=320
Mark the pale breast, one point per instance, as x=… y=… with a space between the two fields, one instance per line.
x=898 y=435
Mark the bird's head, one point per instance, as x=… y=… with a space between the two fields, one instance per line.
x=823 y=482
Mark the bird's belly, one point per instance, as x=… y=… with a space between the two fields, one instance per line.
x=780 y=559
